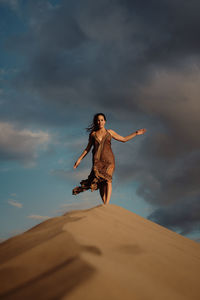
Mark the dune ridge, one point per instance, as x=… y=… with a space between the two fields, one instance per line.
x=105 y=252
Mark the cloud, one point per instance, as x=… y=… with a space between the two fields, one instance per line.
x=183 y=215
x=38 y=217
x=14 y=203
x=103 y=51
x=13 y=4
x=20 y=144
x=174 y=97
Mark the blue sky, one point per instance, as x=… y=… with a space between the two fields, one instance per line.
x=63 y=61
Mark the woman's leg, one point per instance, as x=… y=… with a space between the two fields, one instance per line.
x=102 y=190
x=108 y=191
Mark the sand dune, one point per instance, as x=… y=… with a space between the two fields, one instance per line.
x=105 y=252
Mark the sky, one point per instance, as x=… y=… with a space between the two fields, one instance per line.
x=138 y=62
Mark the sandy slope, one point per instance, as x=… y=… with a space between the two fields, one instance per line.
x=106 y=252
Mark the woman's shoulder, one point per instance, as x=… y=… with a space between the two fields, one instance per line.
x=110 y=131
x=92 y=134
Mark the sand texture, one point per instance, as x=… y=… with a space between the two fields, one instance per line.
x=102 y=253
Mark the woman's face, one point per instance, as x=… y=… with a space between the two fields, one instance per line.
x=101 y=121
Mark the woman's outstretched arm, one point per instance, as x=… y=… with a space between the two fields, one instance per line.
x=124 y=139
x=85 y=152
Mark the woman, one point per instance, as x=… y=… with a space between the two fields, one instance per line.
x=103 y=158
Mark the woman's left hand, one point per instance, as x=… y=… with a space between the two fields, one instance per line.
x=141 y=131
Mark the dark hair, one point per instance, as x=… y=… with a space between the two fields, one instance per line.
x=94 y=125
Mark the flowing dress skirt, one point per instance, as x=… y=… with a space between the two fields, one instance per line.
x=103 y=165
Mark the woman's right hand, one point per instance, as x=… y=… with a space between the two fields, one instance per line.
x=141 y=131
x=77 y=163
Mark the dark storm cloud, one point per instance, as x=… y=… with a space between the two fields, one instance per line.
x=13 y=4
x=104 y=50
x=180 y=216
x=130 y=59
x=170 y=28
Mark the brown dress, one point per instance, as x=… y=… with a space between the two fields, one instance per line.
x=103 y=164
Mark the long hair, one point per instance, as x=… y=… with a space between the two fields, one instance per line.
x=94 y=125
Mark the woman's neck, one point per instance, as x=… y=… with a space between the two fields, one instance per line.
x=101 y=130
